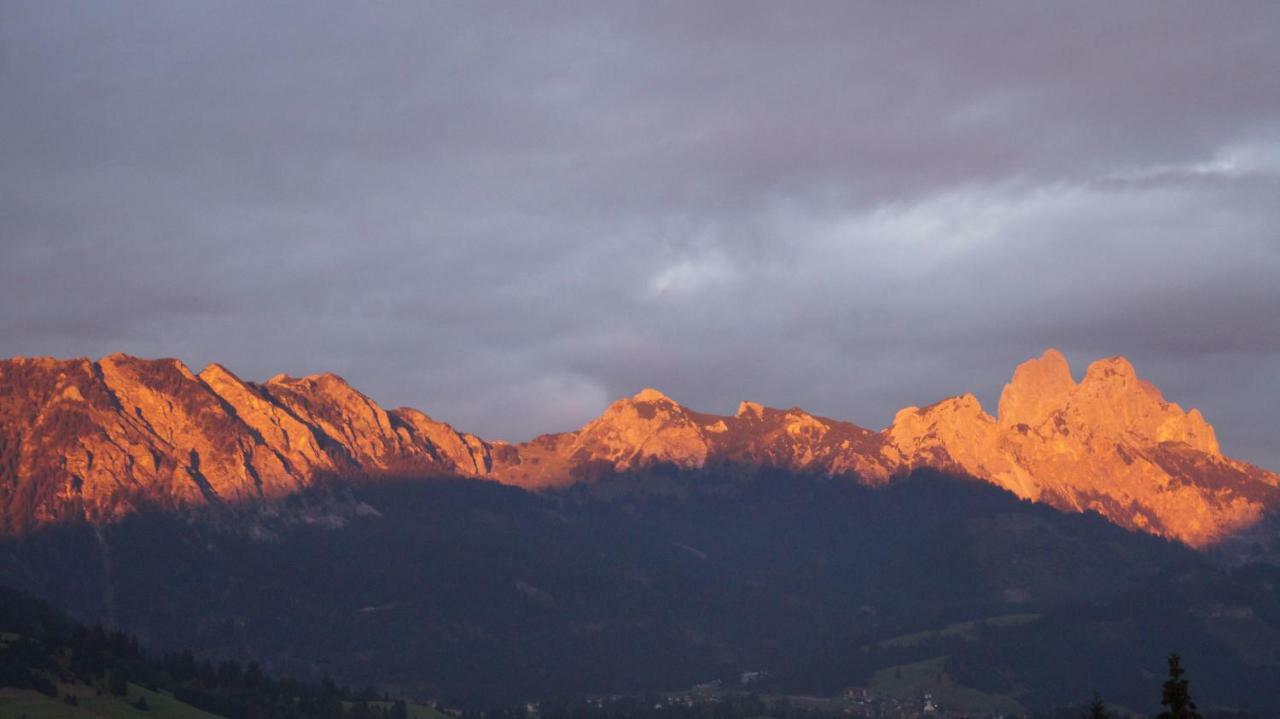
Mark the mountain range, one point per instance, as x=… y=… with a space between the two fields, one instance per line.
x=99 y=440
x=1004 y=564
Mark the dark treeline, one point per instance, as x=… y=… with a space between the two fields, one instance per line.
x=43 y=648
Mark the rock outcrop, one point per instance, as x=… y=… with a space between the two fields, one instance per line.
x=1109 y=444
x=1038 y=387
x=97 y=440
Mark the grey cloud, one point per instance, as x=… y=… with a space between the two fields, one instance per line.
x=509 y=214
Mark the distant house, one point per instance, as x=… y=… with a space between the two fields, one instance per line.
x=709 y=686
x=854 y=694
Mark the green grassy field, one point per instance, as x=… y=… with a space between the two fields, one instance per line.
x=18 y=703
x=24 y=703
x=913 y=681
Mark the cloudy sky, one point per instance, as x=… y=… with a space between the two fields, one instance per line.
x=509 y=214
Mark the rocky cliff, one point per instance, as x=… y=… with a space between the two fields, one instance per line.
x=101 y=439
x=1110 y=443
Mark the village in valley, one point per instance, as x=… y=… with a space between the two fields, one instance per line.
x=748 y=696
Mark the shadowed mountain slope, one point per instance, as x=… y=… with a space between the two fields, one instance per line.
x=479 y=593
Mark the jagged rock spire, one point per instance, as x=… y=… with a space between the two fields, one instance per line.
x=1039 y=386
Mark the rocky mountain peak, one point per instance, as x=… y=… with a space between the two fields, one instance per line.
x=649 y=394
x=648 y=427
x=1114 y=404
x=1114 y=370
x=954 y=434
x=167 y=368
x=964 y=407
x=217 y=372
x=1038 y=388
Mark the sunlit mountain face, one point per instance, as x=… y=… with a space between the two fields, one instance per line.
x=97 y=441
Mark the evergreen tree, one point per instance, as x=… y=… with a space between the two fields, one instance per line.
x=1176 y=696
x=1097 y=710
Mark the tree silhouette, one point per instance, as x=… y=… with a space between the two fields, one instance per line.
x=1096 y=710
x=1176 y=696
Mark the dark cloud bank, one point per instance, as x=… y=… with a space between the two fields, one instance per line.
x=508 y=214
